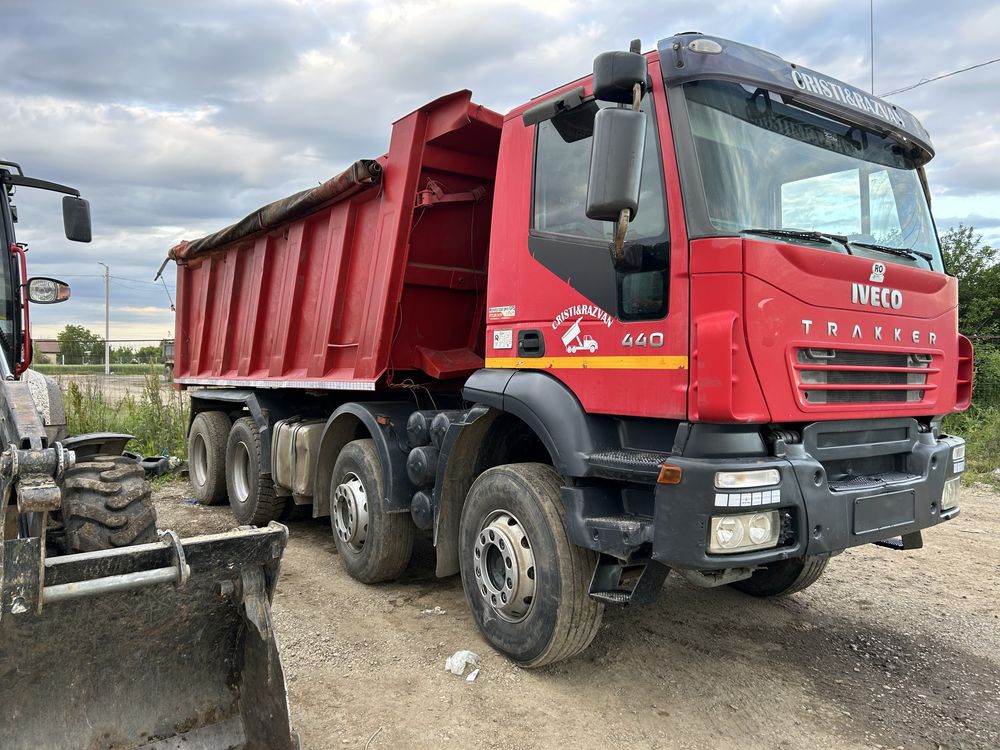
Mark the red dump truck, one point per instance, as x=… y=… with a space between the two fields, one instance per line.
x=688 y=312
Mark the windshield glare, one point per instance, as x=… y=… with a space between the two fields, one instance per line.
x=769 y=165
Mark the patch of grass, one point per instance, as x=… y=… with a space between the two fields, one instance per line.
x=158 y=420
x=980 y=426
x=94 y=369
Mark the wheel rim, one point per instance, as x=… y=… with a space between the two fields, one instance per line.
x=350 y=512
x=199 y=459
x=504 y=566
x=241 y=473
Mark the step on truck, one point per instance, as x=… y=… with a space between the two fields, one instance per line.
x=114 y=635
x=688 y=312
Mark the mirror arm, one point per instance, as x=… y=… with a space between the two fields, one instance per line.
x=621 y=226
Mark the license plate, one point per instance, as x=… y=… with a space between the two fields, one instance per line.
x=886 y=511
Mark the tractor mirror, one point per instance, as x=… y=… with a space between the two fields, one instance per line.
x=45 y=291
x=76 y=219
x=615 y=164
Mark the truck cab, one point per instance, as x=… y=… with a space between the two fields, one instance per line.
x=778 y=338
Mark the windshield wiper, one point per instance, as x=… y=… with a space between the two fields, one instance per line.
x=799 y=234
x=902 y=252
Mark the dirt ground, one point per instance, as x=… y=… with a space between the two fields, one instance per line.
x=889 y=649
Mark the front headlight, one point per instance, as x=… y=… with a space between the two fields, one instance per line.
x=952 y=488
x=743 y=532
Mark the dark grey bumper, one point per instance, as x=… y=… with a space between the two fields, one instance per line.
x=817 y=519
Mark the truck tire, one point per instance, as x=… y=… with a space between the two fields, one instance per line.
x=207 y=457
x=526 y=584
x=106 y=503
x=784 y=577
x=373 y=545
x=251 y=492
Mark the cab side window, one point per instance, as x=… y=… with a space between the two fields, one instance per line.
x=575 y=247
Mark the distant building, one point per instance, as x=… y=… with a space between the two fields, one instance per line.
x=47 y=348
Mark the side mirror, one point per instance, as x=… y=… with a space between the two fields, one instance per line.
x=615 y=164
x=45 y=291
x=76 y=219
x=616 y=74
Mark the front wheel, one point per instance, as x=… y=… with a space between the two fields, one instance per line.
x=106 y=503
x=784 y=577
x=373 y=545
x=526 y=584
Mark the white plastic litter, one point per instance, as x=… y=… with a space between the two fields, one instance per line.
x=472 y=675
x=435 y=611
x=458 y=661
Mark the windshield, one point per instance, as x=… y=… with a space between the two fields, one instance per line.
x=769 y=165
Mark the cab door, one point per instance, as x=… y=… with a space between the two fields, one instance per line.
x=617 y=337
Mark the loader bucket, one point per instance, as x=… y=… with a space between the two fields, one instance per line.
x=156 y=646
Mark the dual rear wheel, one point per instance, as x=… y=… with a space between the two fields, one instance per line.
x=225 y=462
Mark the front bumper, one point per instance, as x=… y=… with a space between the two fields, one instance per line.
x=816 y=518
x=819 y=516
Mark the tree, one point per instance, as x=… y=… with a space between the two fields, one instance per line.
x=977 y=267
x=79 y=345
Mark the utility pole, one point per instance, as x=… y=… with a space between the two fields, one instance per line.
x=107 y=319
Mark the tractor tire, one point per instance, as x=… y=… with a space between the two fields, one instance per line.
x=106 y=503
x=373 y=545
x=207 y=457
x=251 y=492
x=527 y=585
x=784 y=577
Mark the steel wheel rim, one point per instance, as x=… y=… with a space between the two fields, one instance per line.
x=241 y=473
x=199 y=456
x=504 y=566
x=350 y=512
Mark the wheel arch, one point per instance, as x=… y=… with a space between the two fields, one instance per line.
x=385 y=424
x=518 y=403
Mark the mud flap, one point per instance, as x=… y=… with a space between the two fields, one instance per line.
x=157 y=646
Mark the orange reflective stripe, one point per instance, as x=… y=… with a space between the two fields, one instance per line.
x=594 y=362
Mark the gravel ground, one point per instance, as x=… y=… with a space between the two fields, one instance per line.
x=888 y=650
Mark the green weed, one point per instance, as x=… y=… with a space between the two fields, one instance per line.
x=156 y=418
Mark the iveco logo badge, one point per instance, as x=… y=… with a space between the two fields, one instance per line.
x=876 y=296
x=878 y=272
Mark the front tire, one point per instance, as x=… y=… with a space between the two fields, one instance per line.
x=251 y=492
x=106 y=503
x=527 y=586
x=784 y=577
x=373 y=545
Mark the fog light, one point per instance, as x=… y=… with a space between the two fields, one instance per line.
x=743 y=532
x=949 y=498
x=958 y=452
x=735 y=480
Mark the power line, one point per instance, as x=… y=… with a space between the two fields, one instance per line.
x=938 y=78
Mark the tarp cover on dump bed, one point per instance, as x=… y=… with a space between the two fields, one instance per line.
x=360 y=175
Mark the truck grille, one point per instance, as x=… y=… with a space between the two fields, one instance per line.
x=839 y=376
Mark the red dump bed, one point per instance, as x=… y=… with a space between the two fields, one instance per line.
x=375 y=277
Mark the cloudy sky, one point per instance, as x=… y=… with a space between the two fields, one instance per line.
x=175 y=119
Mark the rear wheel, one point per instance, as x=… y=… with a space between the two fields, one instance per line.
x=207 y=457
x=106 y=503
x=784 y=577
x=526 y=584
x=373 y=545
x=251 y=492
